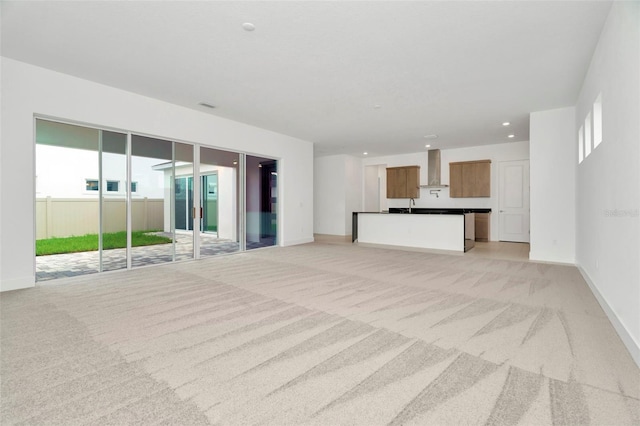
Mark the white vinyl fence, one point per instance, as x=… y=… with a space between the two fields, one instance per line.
x=65 y=217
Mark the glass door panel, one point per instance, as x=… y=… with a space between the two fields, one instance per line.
x=219 y=186
x=152 y=206
x=67 y=200
x=183 y=182
x=209 y=203
x=261 y=202
x=114 y=200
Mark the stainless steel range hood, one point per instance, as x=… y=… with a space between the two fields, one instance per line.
x=433 y=170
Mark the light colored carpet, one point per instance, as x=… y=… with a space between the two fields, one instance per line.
x=316 y=334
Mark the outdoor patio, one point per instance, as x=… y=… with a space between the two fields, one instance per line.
x=72 y=264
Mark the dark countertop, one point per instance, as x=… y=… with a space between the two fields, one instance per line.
x=421 y=210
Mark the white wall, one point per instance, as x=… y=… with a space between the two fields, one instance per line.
x=329 y=195
x=337 y=188
x=608 y=180
x=354 y=188
x=496 y=153
x=371 y=194
x=552 y=180
x=29 y=90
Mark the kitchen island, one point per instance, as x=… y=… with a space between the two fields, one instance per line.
x=435 y=229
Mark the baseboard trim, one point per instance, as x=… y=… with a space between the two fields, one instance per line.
x=568 y=262
x=17 y=283
x=627 y=339
x=330 y=238
x=415 y=249
x=297 y=242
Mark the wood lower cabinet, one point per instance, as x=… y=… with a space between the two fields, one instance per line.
x=403 y=182
x=483 y=226
x=470 y=179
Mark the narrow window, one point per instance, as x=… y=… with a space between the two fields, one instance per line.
x=134 y=186
x=580 y=144
x=597 y=121
x=91 y=184
x=113 y=185
x=587 y=135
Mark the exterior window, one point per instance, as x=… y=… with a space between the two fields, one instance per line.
x=113 y=186
x=597 y=121
x=92 y=184
x=134 y=186
x=580 y=144
x=587 y=135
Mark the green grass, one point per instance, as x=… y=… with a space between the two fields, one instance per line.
x=89 y=242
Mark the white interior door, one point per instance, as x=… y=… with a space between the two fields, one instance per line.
x=514 y=201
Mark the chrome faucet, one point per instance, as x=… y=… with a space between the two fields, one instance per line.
x=411 y=201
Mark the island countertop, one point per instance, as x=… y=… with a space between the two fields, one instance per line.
x=422 y=210
x=441 y=229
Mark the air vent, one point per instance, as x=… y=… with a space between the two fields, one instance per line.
x=206 y=105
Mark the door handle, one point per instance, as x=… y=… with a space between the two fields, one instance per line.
x=193 y=213
x=200 y=212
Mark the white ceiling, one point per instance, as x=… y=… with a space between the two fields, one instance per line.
x=316 y=70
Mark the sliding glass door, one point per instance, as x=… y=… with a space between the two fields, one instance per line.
x=261 y=202
x=81 y=200
x=219 y=213
x=68 y=185
x=108 y=200
x=152 y=204
x=183 y=211
x=113 y=196
x=209 y=203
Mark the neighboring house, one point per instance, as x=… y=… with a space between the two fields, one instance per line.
x=81 y=180
x=219 y=204
x=67 y=196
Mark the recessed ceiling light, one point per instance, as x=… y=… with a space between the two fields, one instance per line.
x=206 y=105
x=427 y=146
x=248 y=26
x=433 y=136
x=377 y=106
x=511 y=136
x=365 y=153
x=506 y=123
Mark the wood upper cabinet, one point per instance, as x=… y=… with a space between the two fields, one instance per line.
x=455 y=180
x=483 y=178
x=470 y=179
x=403 y=182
